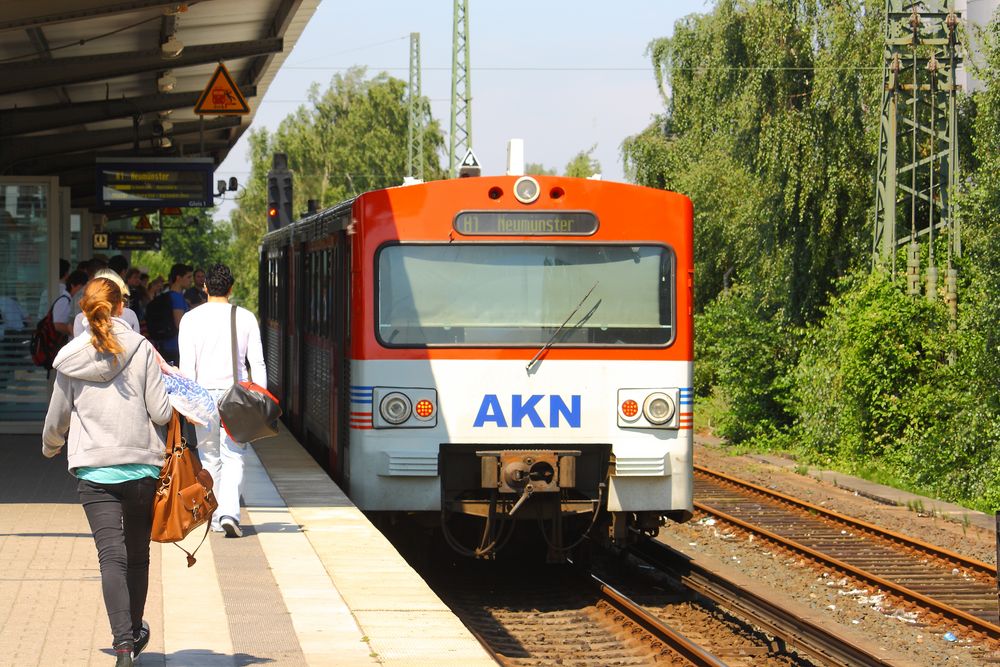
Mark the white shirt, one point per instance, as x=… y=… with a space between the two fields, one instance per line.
x=62 y=308
x=206 y=350
x=80 y=323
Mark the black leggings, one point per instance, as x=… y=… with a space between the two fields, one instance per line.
x=121 y=518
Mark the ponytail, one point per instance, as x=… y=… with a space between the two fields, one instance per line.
x=101 y=298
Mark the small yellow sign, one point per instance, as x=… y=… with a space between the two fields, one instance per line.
x=144 y=223
x=221 y=96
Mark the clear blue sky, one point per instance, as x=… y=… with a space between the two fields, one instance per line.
x=562 y=75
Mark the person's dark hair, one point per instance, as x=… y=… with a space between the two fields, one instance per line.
x=178 y=271
x=78 y=277
x=219 y=280
x=63 y=269
x=118 y=264
x=131 y=272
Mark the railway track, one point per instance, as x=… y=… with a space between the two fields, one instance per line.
x=946 y=584
x=561 y=616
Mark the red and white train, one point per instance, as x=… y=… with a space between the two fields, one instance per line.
x=486 y=350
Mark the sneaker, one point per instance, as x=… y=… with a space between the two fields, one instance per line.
x=140 y=639
x=231 y=526
x=123 y=655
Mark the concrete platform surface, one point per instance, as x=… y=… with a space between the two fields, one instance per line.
x=312 y=582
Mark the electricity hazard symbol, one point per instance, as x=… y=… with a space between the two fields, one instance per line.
x=221 y=96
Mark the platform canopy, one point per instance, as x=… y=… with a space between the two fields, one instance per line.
x=83 y=79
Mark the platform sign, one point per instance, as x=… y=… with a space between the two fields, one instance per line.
x=154 y=182
x=221 y=97
x=127 y=240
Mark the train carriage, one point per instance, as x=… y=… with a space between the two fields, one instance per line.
x=485 y=350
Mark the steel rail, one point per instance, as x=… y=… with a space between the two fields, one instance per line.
x=975 y=623
x=977 y=566
x=803 y=635
x=675 y=641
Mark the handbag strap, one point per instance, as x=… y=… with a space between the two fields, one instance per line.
x=232 y=338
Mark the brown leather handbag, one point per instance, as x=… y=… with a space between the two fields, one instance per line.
x=184 y=499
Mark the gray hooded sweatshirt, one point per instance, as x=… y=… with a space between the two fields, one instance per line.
x=107 y=411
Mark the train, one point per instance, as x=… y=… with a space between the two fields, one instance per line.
x=476 y=354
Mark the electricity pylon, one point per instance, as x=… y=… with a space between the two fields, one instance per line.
x=461 y=89
x=918 y=142
x=415 y=124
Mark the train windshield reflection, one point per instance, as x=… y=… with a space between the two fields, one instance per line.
x=518 y=295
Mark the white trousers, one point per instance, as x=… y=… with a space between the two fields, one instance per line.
x=223 y=458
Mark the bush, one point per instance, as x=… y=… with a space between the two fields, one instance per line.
x=745 y=350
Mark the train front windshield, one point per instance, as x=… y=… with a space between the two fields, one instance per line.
x=521 y=295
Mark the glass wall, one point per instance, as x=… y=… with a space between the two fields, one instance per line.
x=27 y=223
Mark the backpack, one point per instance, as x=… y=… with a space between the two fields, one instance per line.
x=46 y=341
x=160 y=318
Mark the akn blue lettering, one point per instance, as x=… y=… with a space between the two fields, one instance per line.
x=519 y=410
x=490 y=410
x=558 y=407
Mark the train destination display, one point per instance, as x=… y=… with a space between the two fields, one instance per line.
x=526 y=223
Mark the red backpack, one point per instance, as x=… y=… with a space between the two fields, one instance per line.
x=47 y=340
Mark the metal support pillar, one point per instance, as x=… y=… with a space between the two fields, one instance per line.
x=460 y=134
x=415 y=124
x=917 y=172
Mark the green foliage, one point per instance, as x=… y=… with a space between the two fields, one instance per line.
x=751 y=347
x=538 y=169
x=583 y=164
x=349 y=139
x=766 y=130
x=202 y=244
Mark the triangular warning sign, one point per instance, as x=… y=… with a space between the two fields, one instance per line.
x=470 y=159
x=221 y=96
x=143 y=223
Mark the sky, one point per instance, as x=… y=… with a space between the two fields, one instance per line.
x=562 y=75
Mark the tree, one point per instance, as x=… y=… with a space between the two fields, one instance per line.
x=349 y=139
x=770 y=128
x=583 y=164
x=538 y=169
x=190 y=238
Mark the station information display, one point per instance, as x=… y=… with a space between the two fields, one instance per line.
x=154 y=182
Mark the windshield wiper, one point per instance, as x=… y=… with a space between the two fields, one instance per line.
x=548 y=343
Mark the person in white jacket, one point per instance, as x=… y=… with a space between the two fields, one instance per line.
x=107 y=400
x=206 y=356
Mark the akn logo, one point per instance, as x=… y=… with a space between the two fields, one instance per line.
x=491 y=412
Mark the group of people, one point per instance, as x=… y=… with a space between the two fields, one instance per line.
x=110 y=406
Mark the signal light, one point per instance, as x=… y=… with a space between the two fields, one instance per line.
x=272 y=217
x=424 y=408
x=630 y=408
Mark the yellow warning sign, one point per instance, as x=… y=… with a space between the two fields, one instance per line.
x=143 y=223
x=221 y=96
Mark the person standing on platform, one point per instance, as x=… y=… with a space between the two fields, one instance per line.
x=108 y=398
x=163 y=322
x=195 y=295
x=128 y=315
x=62 y=308
x=205 y=343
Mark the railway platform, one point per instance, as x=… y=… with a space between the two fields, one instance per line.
x=311 y=582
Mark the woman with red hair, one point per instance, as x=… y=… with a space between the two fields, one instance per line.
x=108 y=398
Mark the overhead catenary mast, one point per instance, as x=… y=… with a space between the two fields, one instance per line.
x=918 y=145
x=415 y=125
x=461 y=89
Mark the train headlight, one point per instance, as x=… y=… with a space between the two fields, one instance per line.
x=526 y=189
x=395 y=408
x=658 y=408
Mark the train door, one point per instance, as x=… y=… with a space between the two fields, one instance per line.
x=293 y=338
x=340 y=381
